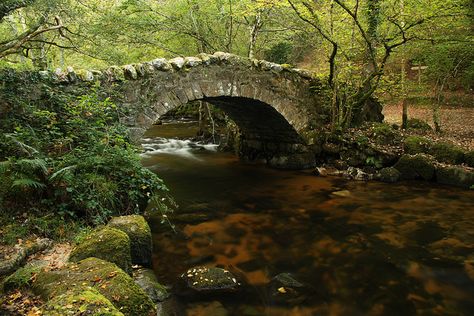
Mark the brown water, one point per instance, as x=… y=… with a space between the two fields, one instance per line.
x=360 y=248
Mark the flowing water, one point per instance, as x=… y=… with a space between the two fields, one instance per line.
x=359 y=248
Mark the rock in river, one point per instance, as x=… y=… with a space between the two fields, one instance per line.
x=137 y=229
x=207 y=281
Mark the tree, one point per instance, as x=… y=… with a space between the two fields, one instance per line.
x=35 y=24
x=360 y=37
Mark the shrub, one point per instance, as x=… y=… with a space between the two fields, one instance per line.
x=72 y=157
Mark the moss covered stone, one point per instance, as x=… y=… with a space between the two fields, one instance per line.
x=86 y=302
x=108 y=244
x=206 y=281
x=469 y=158
x=448 y=153
x=456 y=176
x=137 y=229
x=389 y=175
x=416 y=145
x=418 y=124
x=147 y=280
x=418 y=166
x=105 y=277
x=21 y=278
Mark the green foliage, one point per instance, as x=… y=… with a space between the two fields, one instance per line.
x=72 y=157
x=376 y=162
x=279 y=53
x=37 y=222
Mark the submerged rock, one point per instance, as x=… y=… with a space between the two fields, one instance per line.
x=214 y=308
x=139 y=233
x=87 y=302
x=284 y=288
x=108 y=244
x=105 y=277
x=147 y=280
x=202 y=280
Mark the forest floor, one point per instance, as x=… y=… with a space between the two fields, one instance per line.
x=457 y=123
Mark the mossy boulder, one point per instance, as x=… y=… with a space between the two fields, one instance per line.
x=389 y=175
x=86 y=302
x=21 y=278
x=147 y=280
x=383 y=133
x=448 y=153
x=108 y=244
x=105 y=277
x=137 y=229
x=418 y=124
x=456 y=176
x=416 y=145
x=469 y=158
x=418 y=166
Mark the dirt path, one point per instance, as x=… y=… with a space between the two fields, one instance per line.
x=457 y=123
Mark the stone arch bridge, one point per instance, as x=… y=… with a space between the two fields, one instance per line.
x=273 y=105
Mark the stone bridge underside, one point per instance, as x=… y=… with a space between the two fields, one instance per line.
x=271 y=104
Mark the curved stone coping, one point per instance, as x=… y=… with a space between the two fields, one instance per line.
x=178 y=64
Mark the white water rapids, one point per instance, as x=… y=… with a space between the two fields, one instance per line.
x=177 y=147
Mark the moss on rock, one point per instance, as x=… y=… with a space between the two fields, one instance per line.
x=418 y=166
x=105 y=277
x=147 y=280
x=416 y=145
x=418 y=124
x=86 y=302
x=108 y=244
x=456 y=176
x=389 y=175
x=137 y=229
x=469 y=158
x=448 y=153
x=21 y=278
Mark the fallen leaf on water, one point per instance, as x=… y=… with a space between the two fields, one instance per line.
x=282 y=290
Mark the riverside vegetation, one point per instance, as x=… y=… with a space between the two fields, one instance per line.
x=69 y=171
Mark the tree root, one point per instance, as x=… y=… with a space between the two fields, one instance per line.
x=9 y=266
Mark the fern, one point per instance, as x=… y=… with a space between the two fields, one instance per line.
x=5 y=166
x=27 y=149
x=60 y=173
x=26 y=183
x=33 y=165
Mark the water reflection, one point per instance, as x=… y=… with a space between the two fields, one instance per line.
x=359 y=248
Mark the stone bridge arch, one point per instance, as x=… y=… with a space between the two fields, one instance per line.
x=272 y=104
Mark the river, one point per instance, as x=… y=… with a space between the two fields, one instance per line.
x=359 y=248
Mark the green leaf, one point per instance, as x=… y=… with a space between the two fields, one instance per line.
x=27 y=184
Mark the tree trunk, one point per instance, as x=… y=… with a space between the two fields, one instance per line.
x=255 y=29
